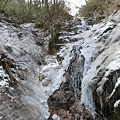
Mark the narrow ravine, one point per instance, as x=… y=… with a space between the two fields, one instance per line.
x=80 y=81
x=84 y=74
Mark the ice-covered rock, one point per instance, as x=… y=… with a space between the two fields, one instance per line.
x=80 y=81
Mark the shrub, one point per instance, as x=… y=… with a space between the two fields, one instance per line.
x=97 y=8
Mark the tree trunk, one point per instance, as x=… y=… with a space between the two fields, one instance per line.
x=30 y=9
x=86 y=1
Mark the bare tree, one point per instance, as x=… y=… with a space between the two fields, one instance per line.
x=86 y=1
x=30 y=8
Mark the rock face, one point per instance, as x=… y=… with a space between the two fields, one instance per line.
x=81 y=81
x=20 y=57
x=92 y=86
x=69 y=93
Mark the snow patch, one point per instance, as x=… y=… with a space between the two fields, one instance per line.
x=116 y=86
x=3 y=78
x=117 y=103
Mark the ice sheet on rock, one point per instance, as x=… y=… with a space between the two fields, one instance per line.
x=117 y=103
x=89 y=51
x=3 y=83
x=26 y=25
x=55 y=70
x=115 y=88
x=26 y=52
x=3 y=78
x=21 y=42
x=114 y=36
x=115 y=17
x=55 y=117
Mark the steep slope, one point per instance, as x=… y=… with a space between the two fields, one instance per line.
x=91 y=90
x=23 y=57
x=80 y=82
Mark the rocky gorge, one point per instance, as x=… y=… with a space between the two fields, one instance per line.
x=80 y=81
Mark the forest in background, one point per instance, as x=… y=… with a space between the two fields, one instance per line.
x=46 y=12
x=37 y=11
